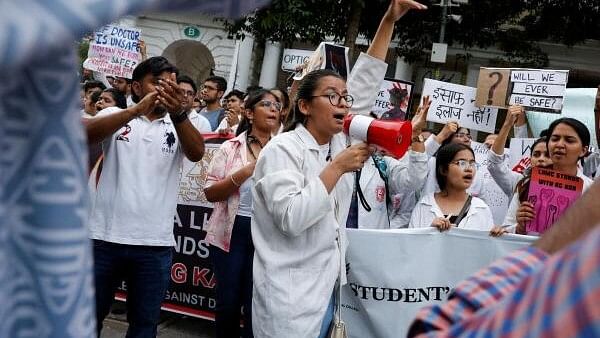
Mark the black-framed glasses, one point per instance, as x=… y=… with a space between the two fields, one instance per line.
x=463 y=135
x=268 y=104
x=335 y=98
x=465 y=164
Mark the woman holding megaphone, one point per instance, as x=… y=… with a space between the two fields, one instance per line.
x=302 y=197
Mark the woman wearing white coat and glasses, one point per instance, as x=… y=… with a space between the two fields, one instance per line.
x=301 y=200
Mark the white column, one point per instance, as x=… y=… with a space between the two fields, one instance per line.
x=244 y=62
x=270 y=65
x=404 y=70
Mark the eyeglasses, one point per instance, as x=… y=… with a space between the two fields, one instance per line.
x=208 y=88
x=188 y=93
x=463 y=135
x=335 y=98
x=464 y=164
x=269 y=104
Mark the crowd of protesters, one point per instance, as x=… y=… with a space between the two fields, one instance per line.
x=286 y=187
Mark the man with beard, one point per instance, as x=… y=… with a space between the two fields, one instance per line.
x=212 y=91
x=131 y=222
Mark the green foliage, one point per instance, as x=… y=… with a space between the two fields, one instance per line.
x=515 y=26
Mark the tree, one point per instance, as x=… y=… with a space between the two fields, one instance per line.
x=515 y=26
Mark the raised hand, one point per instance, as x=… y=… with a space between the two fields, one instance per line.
x=170 y=95
x=398 y=8
x=352 y=158
x=420 y=118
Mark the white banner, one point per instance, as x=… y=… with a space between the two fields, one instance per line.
x=452 y=102
x=394 y=273
x=520 y=153
x=537 y=88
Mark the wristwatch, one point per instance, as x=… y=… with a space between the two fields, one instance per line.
x=180 y=117
x=418 y=138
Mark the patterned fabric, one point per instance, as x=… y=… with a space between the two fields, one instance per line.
x=352 y=220
x=524 y=295
x=45 y=258
x=230 y=157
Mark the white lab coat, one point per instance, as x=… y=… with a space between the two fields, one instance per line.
x=295 y=222
x=404 y=176
x=294 y=230
x=407 y=174
x=479 y=216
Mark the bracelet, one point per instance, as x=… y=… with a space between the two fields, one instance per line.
x=233 y=181
x=177 y=119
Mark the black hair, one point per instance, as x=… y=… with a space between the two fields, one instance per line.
x=93 y=84
x=542 y=139
x=118 y=96
x=219 y=81
x=582 y=132
x=129 y=81
x=522 y=186
x=306 y=90
x=445 y=155
x=237 y=93
x=286 y=98
x=251 y=101
x=188 y=80
x=155 y=65
x=251 y=89
x=451 y=137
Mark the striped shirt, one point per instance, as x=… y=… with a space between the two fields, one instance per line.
x=526 y=294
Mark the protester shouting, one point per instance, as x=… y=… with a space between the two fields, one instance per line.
x=301 y=199
x=455 y=171
x=228 y=231
x=131 y=222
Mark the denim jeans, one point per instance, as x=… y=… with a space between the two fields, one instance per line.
x=233 y=270
x=147 y=272
x=328 y=318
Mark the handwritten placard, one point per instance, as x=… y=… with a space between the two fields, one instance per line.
x=492 y=87
x=452 y=102
x=551 y=193
x=520 y=154
x=539 y=89
x=393 y=99
x=326 y=56
x=115 y=50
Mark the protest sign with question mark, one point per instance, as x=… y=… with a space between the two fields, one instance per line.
x=492 y=87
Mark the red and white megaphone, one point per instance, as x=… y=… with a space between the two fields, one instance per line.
x=393 y=137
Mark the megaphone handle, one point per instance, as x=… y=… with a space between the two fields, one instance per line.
x=361 y=196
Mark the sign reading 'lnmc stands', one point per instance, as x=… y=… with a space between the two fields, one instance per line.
x=115 y=51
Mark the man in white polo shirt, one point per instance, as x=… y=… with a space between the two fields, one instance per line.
x=131 y=222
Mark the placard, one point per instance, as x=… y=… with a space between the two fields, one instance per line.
x=115 y=50
x=292 y=58
x=326 y=56
x=578 y=104
x=539 y=89
x=551 y=193
x=492 y=87
x=393 y=100
x=520 y=154
x=452 y=102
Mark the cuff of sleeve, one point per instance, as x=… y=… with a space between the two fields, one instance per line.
x=417 y=156
x=496 y=158
x=520 y=131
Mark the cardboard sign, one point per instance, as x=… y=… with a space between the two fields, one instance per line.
x=519 y=154
x=551 y=193
x=115 y=51
x=492 y=87
x=452 y=102
x=327 y=56
x=393 y=100
x=539 y=89
x=578 y=104
x=481 y=153
x=292 y=58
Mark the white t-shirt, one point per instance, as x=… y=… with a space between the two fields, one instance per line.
x=200 y=122
x=245 y=206
x=136 y=197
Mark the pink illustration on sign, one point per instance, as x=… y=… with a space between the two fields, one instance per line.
x=551 y=193
x=380 y=193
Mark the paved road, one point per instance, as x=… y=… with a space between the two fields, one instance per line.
x=171 y=326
